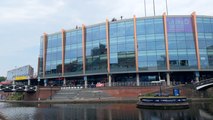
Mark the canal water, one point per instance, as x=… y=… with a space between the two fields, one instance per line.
x=121 y=111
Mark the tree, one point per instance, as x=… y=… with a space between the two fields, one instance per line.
x=2 y=78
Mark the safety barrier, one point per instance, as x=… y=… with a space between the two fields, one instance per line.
x=18 y=88
x=203 y=84
x=68 y=88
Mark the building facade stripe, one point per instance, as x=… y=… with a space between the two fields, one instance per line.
x=107 y=44
x=38 y=67
x=83 y=48
x=136 y=44
x=194 y=22
x=166 y=41
x=44 y=53
x=63 y=50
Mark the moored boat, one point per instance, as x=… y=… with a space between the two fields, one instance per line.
x=163 y=102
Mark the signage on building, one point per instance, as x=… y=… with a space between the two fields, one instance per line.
x=180 y=24
x=21 y=78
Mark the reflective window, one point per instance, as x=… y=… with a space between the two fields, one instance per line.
x=41 y=56
x=205 y=39
x=96 y=51
x=73 y=52
x=151 y=46
x=54 y=55
x=122 y=53
x=181 y=43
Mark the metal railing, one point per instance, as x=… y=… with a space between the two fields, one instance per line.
x=132 y=84
x=115 y=84
x=203 y=82
x=18 y=88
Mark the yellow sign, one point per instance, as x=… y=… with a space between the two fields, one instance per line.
x=21 y=78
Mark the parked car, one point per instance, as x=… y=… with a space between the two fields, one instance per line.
x=100 y=84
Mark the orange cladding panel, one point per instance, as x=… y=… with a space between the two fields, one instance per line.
x=166 y=41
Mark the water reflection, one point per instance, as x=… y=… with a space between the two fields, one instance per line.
x=197 y=111
x=89 y=112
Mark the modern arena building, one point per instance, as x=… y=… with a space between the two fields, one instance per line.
x=129 y=52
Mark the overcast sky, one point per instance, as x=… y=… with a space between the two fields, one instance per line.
x=22 y=22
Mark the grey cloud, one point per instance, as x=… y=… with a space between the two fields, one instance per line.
x=22 y=22
x=28 y=10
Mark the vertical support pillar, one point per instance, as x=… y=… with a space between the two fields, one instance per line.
x=168 y=79
x=194 y=24
x=64 y=81
x=166 y=41
x=136 y=51
x=63 y=54
x=138 y=79
x=45 y=82
x=44 y=53
x=85 y=81
x=110 y=80
x=197 y=75
x=197 y=79
x=108 y=53
x=28 y=81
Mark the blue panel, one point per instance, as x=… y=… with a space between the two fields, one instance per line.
x=96 y=48
x=54 y=54
x=180 y=42
x=122 y=53
x=73 y=52
x=151 y=41
x=205 y=39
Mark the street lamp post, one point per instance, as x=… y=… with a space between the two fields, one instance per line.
x=51 y=91
x=38 y=87
x=160 y=89
x=51 y=86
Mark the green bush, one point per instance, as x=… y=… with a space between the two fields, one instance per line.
x=16 y=96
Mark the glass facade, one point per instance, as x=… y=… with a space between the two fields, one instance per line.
x=122 y=53
x=182 y=53
x=21 y=73
x=205 y=41
x=73 y=52
x=151 y=45
x=41 y=57
x=54 y=55
x=96 y=51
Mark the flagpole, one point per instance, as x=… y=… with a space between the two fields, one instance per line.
x=145 y=7
x=167 y=8
x=154 y=6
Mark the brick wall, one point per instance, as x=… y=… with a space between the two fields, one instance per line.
x=130 y=91
x=43 y=93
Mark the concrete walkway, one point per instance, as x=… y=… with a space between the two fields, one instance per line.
x=106 y=100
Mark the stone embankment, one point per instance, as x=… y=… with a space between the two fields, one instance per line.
x=68 y=93
x=112 y=94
